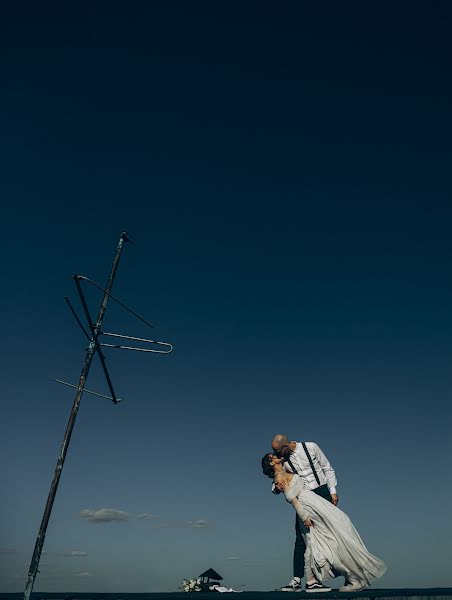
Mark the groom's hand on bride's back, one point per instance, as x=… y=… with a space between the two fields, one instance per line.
x=334 y=499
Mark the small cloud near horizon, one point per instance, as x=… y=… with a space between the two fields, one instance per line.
x=104 y=515
x=200 y=523
x=110 y=515
x=84 y=574
x=76 y=553
x=6 y=550
x=233 y=558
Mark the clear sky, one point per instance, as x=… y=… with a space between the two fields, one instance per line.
x=285 y=174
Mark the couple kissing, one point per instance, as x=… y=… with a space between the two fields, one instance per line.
x=327 y=544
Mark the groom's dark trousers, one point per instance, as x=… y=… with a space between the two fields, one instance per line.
x=300 y=546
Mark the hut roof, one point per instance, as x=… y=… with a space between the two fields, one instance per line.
x=211 y=574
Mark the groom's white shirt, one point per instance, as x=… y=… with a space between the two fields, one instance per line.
x=325 y=471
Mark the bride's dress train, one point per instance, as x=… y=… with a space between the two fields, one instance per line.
x=335 y=547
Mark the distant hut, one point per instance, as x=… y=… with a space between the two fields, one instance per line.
x=209 y=575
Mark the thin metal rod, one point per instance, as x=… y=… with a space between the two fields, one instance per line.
x=77 y=319
x=94 y=333
x=85 y=391
x=140 y=349
x=70 y=426
x=129 y=337
x=116 y=300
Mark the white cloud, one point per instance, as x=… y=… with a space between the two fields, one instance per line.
x=108 y=515
x=75 y=553
x=104 y=515
x=233 y=558
x=84 y=574
x=198 y=524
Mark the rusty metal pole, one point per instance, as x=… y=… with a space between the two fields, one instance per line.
x=93 y=345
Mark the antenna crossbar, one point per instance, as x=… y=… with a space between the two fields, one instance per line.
x=85 y=390
x=94 y=339
x=137 y=339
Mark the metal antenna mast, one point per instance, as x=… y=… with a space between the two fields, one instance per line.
x=93 y=347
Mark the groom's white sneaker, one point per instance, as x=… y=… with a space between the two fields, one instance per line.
x=315 y=586
x=294 y=585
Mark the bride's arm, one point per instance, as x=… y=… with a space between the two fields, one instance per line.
x=301 y=511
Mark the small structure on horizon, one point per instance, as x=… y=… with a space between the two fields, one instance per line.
x=207 y=576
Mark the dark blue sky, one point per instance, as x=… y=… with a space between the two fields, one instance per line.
x=285 y=175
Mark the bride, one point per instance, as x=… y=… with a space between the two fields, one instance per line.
x=333 y=546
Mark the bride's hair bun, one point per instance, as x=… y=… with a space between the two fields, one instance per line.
x=267 y=468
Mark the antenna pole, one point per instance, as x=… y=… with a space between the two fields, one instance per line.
x=93 y=345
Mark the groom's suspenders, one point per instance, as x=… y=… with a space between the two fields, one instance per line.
x=310 y=462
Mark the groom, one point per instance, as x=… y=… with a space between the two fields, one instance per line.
x=308 y=460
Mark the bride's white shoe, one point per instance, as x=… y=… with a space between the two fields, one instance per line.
x=352 y=586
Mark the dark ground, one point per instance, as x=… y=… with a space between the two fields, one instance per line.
x=430 y=593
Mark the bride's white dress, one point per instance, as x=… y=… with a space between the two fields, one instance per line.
x=335 y=546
